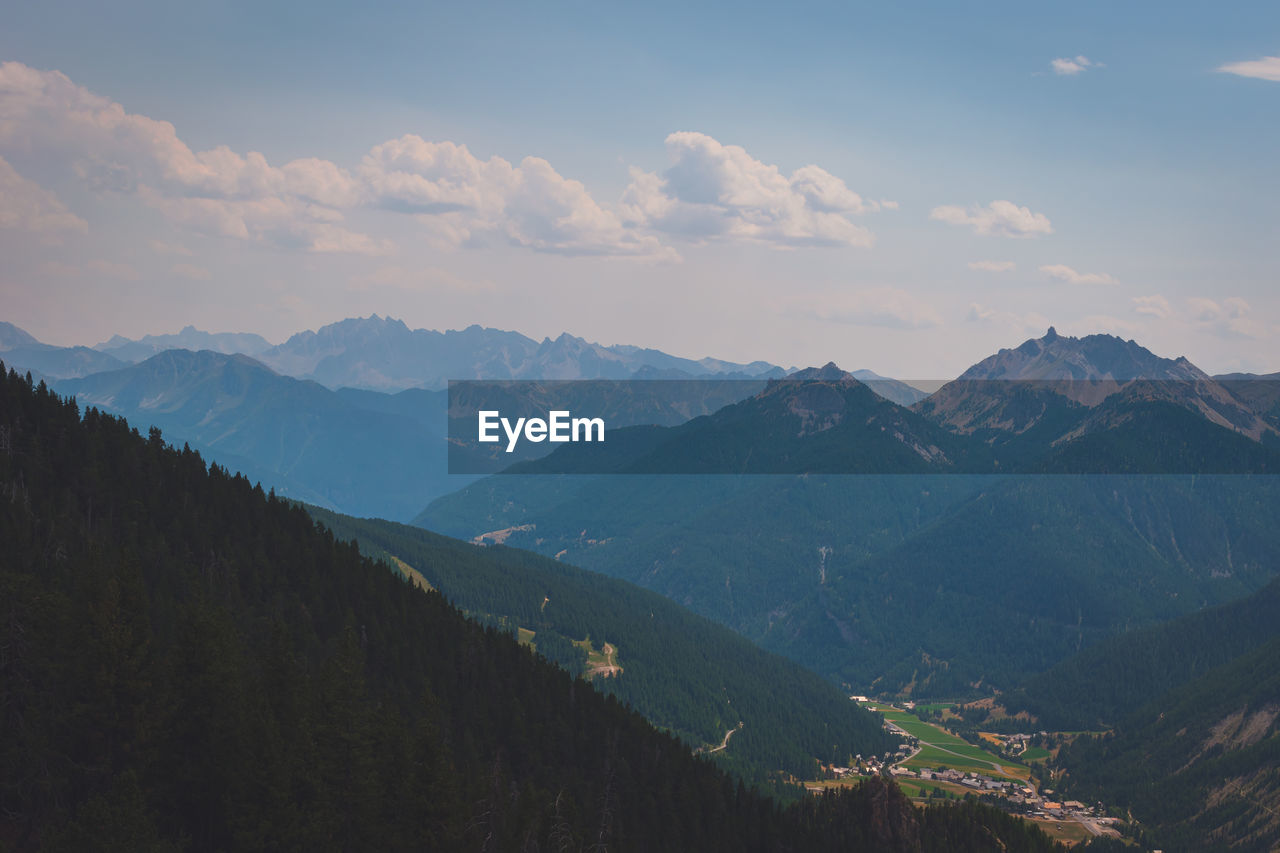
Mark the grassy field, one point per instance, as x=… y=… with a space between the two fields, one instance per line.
x=940 y=748
x=411 y=573
x=525 y=636
x=1035 y=753
x=602 y=661
x=1066 y=831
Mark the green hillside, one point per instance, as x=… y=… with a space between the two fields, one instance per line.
x=1104 y=684
x=682 y=671
x=1199 y=765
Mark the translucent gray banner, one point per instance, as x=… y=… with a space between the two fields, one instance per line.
x=826 y=422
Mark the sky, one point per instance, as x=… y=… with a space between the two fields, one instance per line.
x=905 y=187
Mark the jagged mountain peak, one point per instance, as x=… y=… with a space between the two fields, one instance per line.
x=1014 y=389
x=1087 y=369
x=829 y=372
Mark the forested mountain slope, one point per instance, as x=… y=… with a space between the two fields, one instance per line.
x=1200 y=764
x=1104 y=684
x=684 y=672
x=191 y=664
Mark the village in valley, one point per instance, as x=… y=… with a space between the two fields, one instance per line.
x=1006 y=770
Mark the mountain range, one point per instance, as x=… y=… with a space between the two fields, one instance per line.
x=197 y=665
x=353 y=416
x=190 y=338
x=938 y=574
x=891 y=583
x=383 y=354
x=20 y=349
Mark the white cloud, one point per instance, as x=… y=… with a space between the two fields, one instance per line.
x=1071 y=66
x=301 y=204
x=878 y=306
x=1062 y=272
x=992 y=266
x=191 y=271
x=466 y=200
x=1000 y=218
x=711 y=191
x=715 y=191
x=1227 y=319
x=1156 y=306
x=28 y=206
x=217 y=191
x=1204 y=310
x=1266 y=68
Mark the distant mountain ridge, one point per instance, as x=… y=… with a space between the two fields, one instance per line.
x=22 y=350
x=1017 y=389
x=383 y=354
x=190 y=338
x=11 y=337
x=308 y=442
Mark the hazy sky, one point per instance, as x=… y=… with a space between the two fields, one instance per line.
x=899 y=186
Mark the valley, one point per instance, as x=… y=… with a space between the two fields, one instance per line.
x=936 y=763
x=736 y=613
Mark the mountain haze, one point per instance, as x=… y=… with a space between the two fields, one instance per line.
x=190 y=338
x=308 y=442
x=383 y=354
x=890 y=583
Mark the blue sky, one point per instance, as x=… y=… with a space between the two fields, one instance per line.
x=905 y=187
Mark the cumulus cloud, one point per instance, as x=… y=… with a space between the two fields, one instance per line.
x=878 y=306
x=28 y=206
x=1062 y=272
x=1156 y=306
x=710 y=191
x=1266 y=68
x=218 y=191
x=992 y=266
x=716 y=191
x=302 y=203
x=1071 y=66
x=1228 y=318
x=466 y=200
x=1000 y=218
